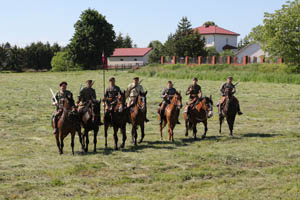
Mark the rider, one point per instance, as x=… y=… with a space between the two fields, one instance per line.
x=194 y=90
x=61 y=94
x=167 y=95
x=231 y=86
x=86 y=94
x=133 y=91
x=111 y=94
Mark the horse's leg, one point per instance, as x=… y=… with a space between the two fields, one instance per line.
x=205 y=129
x=169 y=131
x=116 y=137
x=57 y=142
x=230 y=121
x=195 y=131
x=186 y=127
x=105 y=133
x=95 y=139
x=135 y=135
x=61 y=142
x=132 y=134
x=86 y=133
x=80 y=139
x=142 y=132
x=72 y=141
x=221 y=118
x=124 y=137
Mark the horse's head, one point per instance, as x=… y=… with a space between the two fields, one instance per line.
x=141 y=100
x=208 y=106
x=228 y=92
x=66 y=103
x=121 y=101
x=177 y=100
x=95 y=105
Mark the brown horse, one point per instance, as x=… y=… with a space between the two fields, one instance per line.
x=229 y=110
x=202 y=110
x=67 y=123
x=137 y=116
x=171 y=115
x=117 y=118
x=90 y=122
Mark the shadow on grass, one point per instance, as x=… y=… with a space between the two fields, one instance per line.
x=263 y=135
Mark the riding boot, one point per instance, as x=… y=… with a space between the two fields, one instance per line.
x=55 y=125
x=161 y=114
x=219 y=109
x=239 y=110
x=178 y=122
x=188 y=117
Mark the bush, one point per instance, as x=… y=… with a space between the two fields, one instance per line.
x=61 y=62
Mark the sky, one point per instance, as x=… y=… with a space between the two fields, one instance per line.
x=25 y=21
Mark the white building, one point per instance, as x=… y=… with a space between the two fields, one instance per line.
x=218 y=37
x=129 y=57
x=252 y=50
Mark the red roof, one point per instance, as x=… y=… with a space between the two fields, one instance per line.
x=203 y=30
x=131 y=52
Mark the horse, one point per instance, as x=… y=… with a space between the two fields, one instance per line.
x=202 y=110
x=117 y=118
x=171 y=115
x=90 y=121
x=228 y=110
x=137 y=116
x=67 y=123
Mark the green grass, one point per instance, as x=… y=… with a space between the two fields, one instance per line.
x=269 y=73
x=262 y=160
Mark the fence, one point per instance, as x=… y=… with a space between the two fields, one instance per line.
x=122 y=67
x=219 y=60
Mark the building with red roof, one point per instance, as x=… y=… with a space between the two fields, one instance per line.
x=129 y=57
x=218 y=37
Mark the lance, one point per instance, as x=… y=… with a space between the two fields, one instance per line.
x=103 y=66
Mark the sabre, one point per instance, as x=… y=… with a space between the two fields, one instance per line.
x=55 y=100
x=236 y=83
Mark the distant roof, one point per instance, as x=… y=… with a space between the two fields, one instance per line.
x=131 y=52
x=208 y=30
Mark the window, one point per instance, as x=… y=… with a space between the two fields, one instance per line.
x=135 y=59
x=121 y=59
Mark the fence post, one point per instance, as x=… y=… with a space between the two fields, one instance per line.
x=235 y=59
x=199 y=60
x=249 y=59
x=213 y=62
x=245 y=60
x=174 y=60
x=228 y=60
x=162 y=60
x=262 y=60
x=280 y=60
x=186 y=60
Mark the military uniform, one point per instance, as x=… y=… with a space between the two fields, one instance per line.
x=59 y=106
x=222 y=90
x=132 y=92
x=193 y=91
x=110 y=95
x=167 y=95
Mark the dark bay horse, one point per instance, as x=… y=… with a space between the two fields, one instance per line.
x=117 y=118
x=137 y=116
x=67 y=123
x=171 y=115
x=90 y=121
x=202 y=110
x=229 y=110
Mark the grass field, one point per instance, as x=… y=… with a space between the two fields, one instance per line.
x=262 y=160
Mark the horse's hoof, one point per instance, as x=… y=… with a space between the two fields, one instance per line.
x=116 y=148
x=140 y=141
x=186 y=134
x=122 y=146
x=203 y=137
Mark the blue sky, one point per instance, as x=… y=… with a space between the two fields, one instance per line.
x=26 y=21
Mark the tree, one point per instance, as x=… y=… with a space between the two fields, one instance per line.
x=127 y=42
x=157 y=51
x=61 y=62
x=93 y=35
x=226 y=53
x=212 y=51
x=15 y=61
x=185 y=41
x=281 y=32
x=119 y=41
x=209 y=23
x=4 y=55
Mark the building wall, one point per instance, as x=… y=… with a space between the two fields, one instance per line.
x=252 y=50
x=132 y=60
x=222 y=40
x=219 y=41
